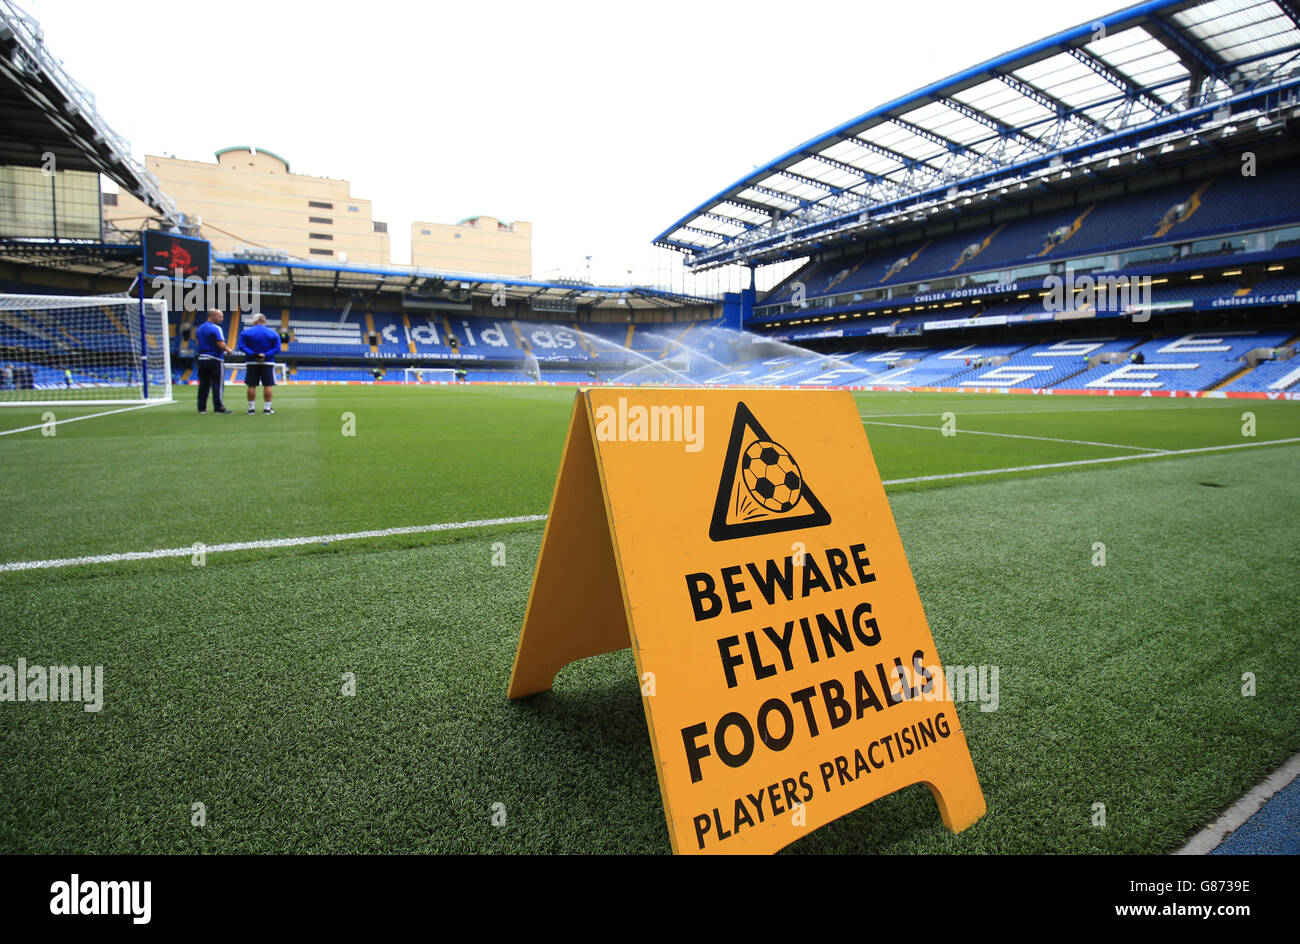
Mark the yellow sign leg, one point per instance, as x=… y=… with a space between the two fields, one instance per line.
x=575 y=608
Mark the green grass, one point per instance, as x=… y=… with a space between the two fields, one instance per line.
x=1118 y=684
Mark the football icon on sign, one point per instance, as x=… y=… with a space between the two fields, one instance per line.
x=761 y=490
x=771 y=475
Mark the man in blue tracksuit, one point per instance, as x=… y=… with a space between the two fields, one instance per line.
x=260 y=345
x=211 y=350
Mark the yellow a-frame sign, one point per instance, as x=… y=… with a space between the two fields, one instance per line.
x=742 y=544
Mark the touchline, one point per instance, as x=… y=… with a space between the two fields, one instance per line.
x=76 y=897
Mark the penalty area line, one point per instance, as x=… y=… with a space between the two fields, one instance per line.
x=979 y=432
x=1076 y=462
x=1077 y=408
x=267 y=544
x=88 y=416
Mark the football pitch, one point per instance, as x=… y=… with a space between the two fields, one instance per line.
x=1124 y=562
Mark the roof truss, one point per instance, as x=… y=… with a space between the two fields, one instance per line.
x=1129 y=78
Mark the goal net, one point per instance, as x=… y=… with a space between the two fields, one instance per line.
x=100 y=349
x=235 y=372
x=428 y=375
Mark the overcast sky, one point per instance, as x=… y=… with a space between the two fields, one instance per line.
x=601 y=123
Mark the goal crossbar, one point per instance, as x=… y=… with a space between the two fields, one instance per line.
x=235 y=371
x=428 y=375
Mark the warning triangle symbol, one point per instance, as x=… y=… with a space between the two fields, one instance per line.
x=762 y=490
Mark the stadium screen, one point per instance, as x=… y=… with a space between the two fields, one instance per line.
x=164 y=253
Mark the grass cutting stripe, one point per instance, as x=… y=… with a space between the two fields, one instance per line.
x=273 y=543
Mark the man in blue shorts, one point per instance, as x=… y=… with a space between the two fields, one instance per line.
x=211 y=347
x=260 y=345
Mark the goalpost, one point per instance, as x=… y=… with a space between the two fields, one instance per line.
x=75 y=349
x=428 y=375
x=236 y=370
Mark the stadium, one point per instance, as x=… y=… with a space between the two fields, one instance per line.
x=1061 y=286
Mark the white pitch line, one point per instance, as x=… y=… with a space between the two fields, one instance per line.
x=261 y=545
x=978 y=432
x=1236 y=815
x=88 y=416
x=1063 y=465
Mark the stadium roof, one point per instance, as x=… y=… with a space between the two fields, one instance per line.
x=282 y=275
x=1157 y=73
x=43 y=110
x=414 y=284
